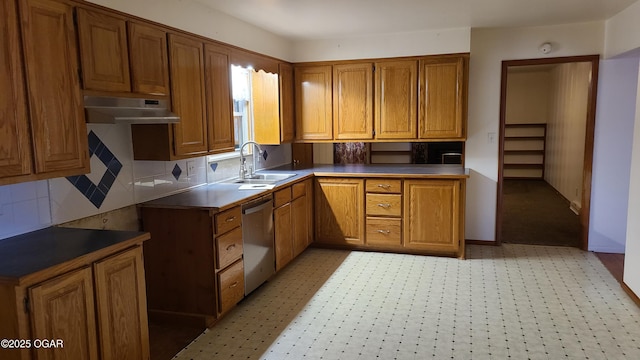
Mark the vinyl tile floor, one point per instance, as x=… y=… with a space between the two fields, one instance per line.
x=512 y=301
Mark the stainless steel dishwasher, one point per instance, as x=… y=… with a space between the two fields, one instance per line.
x=257 y=238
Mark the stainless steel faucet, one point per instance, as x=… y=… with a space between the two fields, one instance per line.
x=243 y=160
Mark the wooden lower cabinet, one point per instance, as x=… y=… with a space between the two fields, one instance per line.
x=189 y=259
x=432 y=216
x=292 y=222
x=339 y=211
x=99 y=311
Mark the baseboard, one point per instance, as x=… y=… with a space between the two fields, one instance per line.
x=631 y=294
x=480 y=242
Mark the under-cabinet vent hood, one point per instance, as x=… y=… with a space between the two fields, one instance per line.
x=118 y=110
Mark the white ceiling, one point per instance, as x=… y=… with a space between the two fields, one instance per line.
x=326 y=19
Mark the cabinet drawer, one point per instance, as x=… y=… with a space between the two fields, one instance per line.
x=231 y=286
x=384 y=231
x=228 y=248
x=384 y=186
x=228 y=220
x=384 y=204
x=282 y=197
x=298 y=189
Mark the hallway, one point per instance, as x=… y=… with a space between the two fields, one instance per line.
x=535 y=213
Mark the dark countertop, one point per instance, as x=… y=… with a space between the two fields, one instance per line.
x=220 y=196
x=30 y=253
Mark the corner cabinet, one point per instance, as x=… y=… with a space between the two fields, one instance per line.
x=87 y=289
x=339 y=211
x=443 y=97
x=56 y=110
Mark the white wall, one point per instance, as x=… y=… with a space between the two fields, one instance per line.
x=632 y=254
x=428 y=42
x=615 y=115
x=489 y=47
x=199 y=19
x=621 y=31
x=566 y=129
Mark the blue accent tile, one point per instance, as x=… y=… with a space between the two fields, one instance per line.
x=98 y=193
x=265 y=155
x=176 y=172
x=214 y=166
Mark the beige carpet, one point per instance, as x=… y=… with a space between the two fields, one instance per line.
x=513 y=301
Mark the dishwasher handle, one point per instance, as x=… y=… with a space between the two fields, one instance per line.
x=257 y=205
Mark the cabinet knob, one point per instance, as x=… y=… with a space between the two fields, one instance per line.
x=232 y=246
x=384 y=186
x=233 y=285
x=230 y=219
x=386 y=232
x=386 y=206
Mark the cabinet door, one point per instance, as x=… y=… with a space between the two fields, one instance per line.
x=432 y=215
x=266 y=108
x=442 y=92
x=287 y=127
x=55 y=101
x=219 y=99
x=300 y=222
x=122 y=306
x=353 y=101
x=339 y=211
x=187 y=95
x=103 y=50
x=396 y=99
x=63 y=308
x=148 y=58
x=314 y=118
x=15 y=145
x=283 y=235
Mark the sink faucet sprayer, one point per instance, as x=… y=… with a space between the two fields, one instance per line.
x=252 y=167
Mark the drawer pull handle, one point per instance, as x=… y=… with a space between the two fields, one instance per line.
x=233 y=285
x=230 y=219
x=230 y=247
x=386 y=232
x=386 y=206
x=384 y=186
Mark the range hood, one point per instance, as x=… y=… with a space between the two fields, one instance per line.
x=119 y=110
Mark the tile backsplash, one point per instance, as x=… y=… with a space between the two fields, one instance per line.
x=116 y=181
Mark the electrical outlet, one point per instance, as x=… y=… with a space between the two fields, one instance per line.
x=191 y=167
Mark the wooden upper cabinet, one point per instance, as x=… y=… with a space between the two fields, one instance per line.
x=103 y=50
x=313 y=102
x=353 y=101
x=15 y=144
x=218 y=98
x=122 y=306
x=266 y=107
x=287 y=112
x=396 y=88
x=443 y=84
x=432 y=215
x=63 y=308
x=55 y=100
x=148 y=59
x=186 y=62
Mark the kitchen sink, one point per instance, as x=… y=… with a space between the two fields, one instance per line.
x=262 y=179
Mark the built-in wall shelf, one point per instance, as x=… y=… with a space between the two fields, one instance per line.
x=524 y=151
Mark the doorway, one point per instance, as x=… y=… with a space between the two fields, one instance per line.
x=543 y=152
